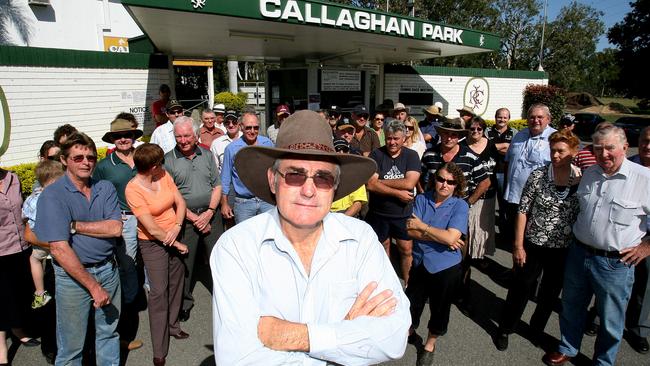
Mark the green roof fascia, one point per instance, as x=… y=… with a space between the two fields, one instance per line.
x=459 y=71
x=141 y=44
x=55 y=57
x=250 y=9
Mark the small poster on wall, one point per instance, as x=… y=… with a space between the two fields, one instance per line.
x=314 y=102
x=338 y=80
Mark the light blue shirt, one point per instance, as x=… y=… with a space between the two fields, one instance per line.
x=613 y=210
x=452 y=213
x=29 y=207
x=257 y=272
x=228 y=171
x=525 y=154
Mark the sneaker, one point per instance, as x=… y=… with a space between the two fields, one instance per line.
x=41 y=300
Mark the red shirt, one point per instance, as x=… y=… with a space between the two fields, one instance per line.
x=157 y=109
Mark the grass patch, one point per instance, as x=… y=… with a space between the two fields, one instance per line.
x=628 y=102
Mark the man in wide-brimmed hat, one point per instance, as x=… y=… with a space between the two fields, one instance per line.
x=400 y=112
x=466 y=114
x=432 y=117
x=299 y=284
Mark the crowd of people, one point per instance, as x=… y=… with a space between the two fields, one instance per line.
x=292 y=223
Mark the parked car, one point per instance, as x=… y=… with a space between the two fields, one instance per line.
x=586 y=124
x=632 y=125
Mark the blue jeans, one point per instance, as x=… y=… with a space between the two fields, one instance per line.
x=73 y=302
x=245 y=208
x=126 y=253
x=611 y=282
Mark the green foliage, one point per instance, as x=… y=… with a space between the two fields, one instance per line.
x=25 y=172
x=518 y=124
x=551 y=96
x=232 y=101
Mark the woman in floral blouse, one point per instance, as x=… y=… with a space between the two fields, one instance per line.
x=543 y=232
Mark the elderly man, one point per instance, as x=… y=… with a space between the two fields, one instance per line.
x=80 y=218
x=195 y=173
x=365 y=139
x=611 y=236
x=299 y=285
x=637 y=316
x=220 y=111
x=119 y=168
x=218 y=147
x=209 y=130
x=391 y=193
x=400 y=112
x=528 y=151
x=246 y=204
x=281 y=113
x=163 y=135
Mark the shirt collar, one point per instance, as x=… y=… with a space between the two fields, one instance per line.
x=67 y=183
x=178 y=154
x=623 y=170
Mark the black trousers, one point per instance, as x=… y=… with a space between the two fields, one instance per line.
x=550 y=261
x=439 y=288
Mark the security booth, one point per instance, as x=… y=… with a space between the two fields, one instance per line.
x=325 y=53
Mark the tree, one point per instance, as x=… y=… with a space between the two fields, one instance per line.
x=632 y=36
x=570 y=44
x=516 y=25
x=16 y=25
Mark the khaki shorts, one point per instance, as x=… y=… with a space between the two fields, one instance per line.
x=39 y=253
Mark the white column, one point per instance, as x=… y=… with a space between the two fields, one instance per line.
x=232 y=76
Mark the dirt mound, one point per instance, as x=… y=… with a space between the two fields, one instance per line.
x=578 y=101
x=611 y=108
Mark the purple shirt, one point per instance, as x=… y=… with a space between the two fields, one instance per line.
x=12 y=228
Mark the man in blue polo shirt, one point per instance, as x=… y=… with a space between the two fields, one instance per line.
x=246 y=204
x=80 y=218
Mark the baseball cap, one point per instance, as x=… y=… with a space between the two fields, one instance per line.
x=173 y=103
x=341 y=145
x=282 y=109
x=231 y=114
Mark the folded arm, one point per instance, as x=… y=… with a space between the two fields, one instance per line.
x=100 y=229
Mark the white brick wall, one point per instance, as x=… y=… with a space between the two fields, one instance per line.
x=42 y=98
x=504 y=92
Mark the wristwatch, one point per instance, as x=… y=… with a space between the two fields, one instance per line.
x=73 y=227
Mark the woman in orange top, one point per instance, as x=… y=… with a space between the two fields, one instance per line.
x=160 y=209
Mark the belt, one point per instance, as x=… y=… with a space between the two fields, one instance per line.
x=110 y=260
x=599 y=252
x=198 y=211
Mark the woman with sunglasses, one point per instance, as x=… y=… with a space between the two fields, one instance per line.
x=543 y=232
x=439 y=221
x=378 y=126
x=160 y=210
x=414 y=139
x=481 y=215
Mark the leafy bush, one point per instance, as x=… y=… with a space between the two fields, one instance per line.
x=25 y=172
x=518 y=124
x=232 y=101
x=551 y=96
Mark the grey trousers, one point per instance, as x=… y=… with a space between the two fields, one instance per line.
x=196 y=241
x=165 y=270
x=637 y=316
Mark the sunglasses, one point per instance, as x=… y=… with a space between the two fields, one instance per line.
x=176 y=111
x=322 y=180
x=410 y=128
x=364 y=116
x=379 y=119
x=123 y=135
x=80 y=158
x=334 y=116
x=478 y=129
x=450 y=182
x=248 y=128
x=230 y=122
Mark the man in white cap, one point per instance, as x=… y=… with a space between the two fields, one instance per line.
x=220 y=111
x=298 y=284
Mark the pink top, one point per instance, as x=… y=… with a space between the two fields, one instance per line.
x=12 y=228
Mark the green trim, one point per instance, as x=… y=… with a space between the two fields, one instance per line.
x=250 y=9
x=54 y=57
x=141 y=44
x=457 y=71
x=7 y=120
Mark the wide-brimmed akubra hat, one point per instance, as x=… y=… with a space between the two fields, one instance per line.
x=433 y=110
x=121 y=125
x=304 y=134
x=453 y=125
x=466 y=109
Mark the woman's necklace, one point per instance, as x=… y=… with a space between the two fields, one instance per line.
x=564 y=193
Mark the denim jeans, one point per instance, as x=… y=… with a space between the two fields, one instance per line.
x=73 y=303
x=245 y=208
x=126 y=254
x=611 y=282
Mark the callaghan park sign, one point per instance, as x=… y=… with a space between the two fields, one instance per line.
x=324 y=14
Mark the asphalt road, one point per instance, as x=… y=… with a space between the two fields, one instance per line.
x=468 y=341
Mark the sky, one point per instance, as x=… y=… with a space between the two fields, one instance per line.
x=614 y=12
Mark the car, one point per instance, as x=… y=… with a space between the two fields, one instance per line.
x=585 y=124
x=632 y=125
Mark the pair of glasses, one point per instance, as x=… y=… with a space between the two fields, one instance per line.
x=478 y=129
x=248 y=128
x=410 y=128
x=379 y=119
x=53 y=157
x=123 y=135
x=364 y=116
x=80 y=158
x=450 y=182
x=176 y=112
x=322 y=180
x=230 y=122
x=334 y=116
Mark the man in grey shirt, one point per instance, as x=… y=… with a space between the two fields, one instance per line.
x=196 y=175
x=611 y=239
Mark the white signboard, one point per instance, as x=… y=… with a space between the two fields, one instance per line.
x=335 y=80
